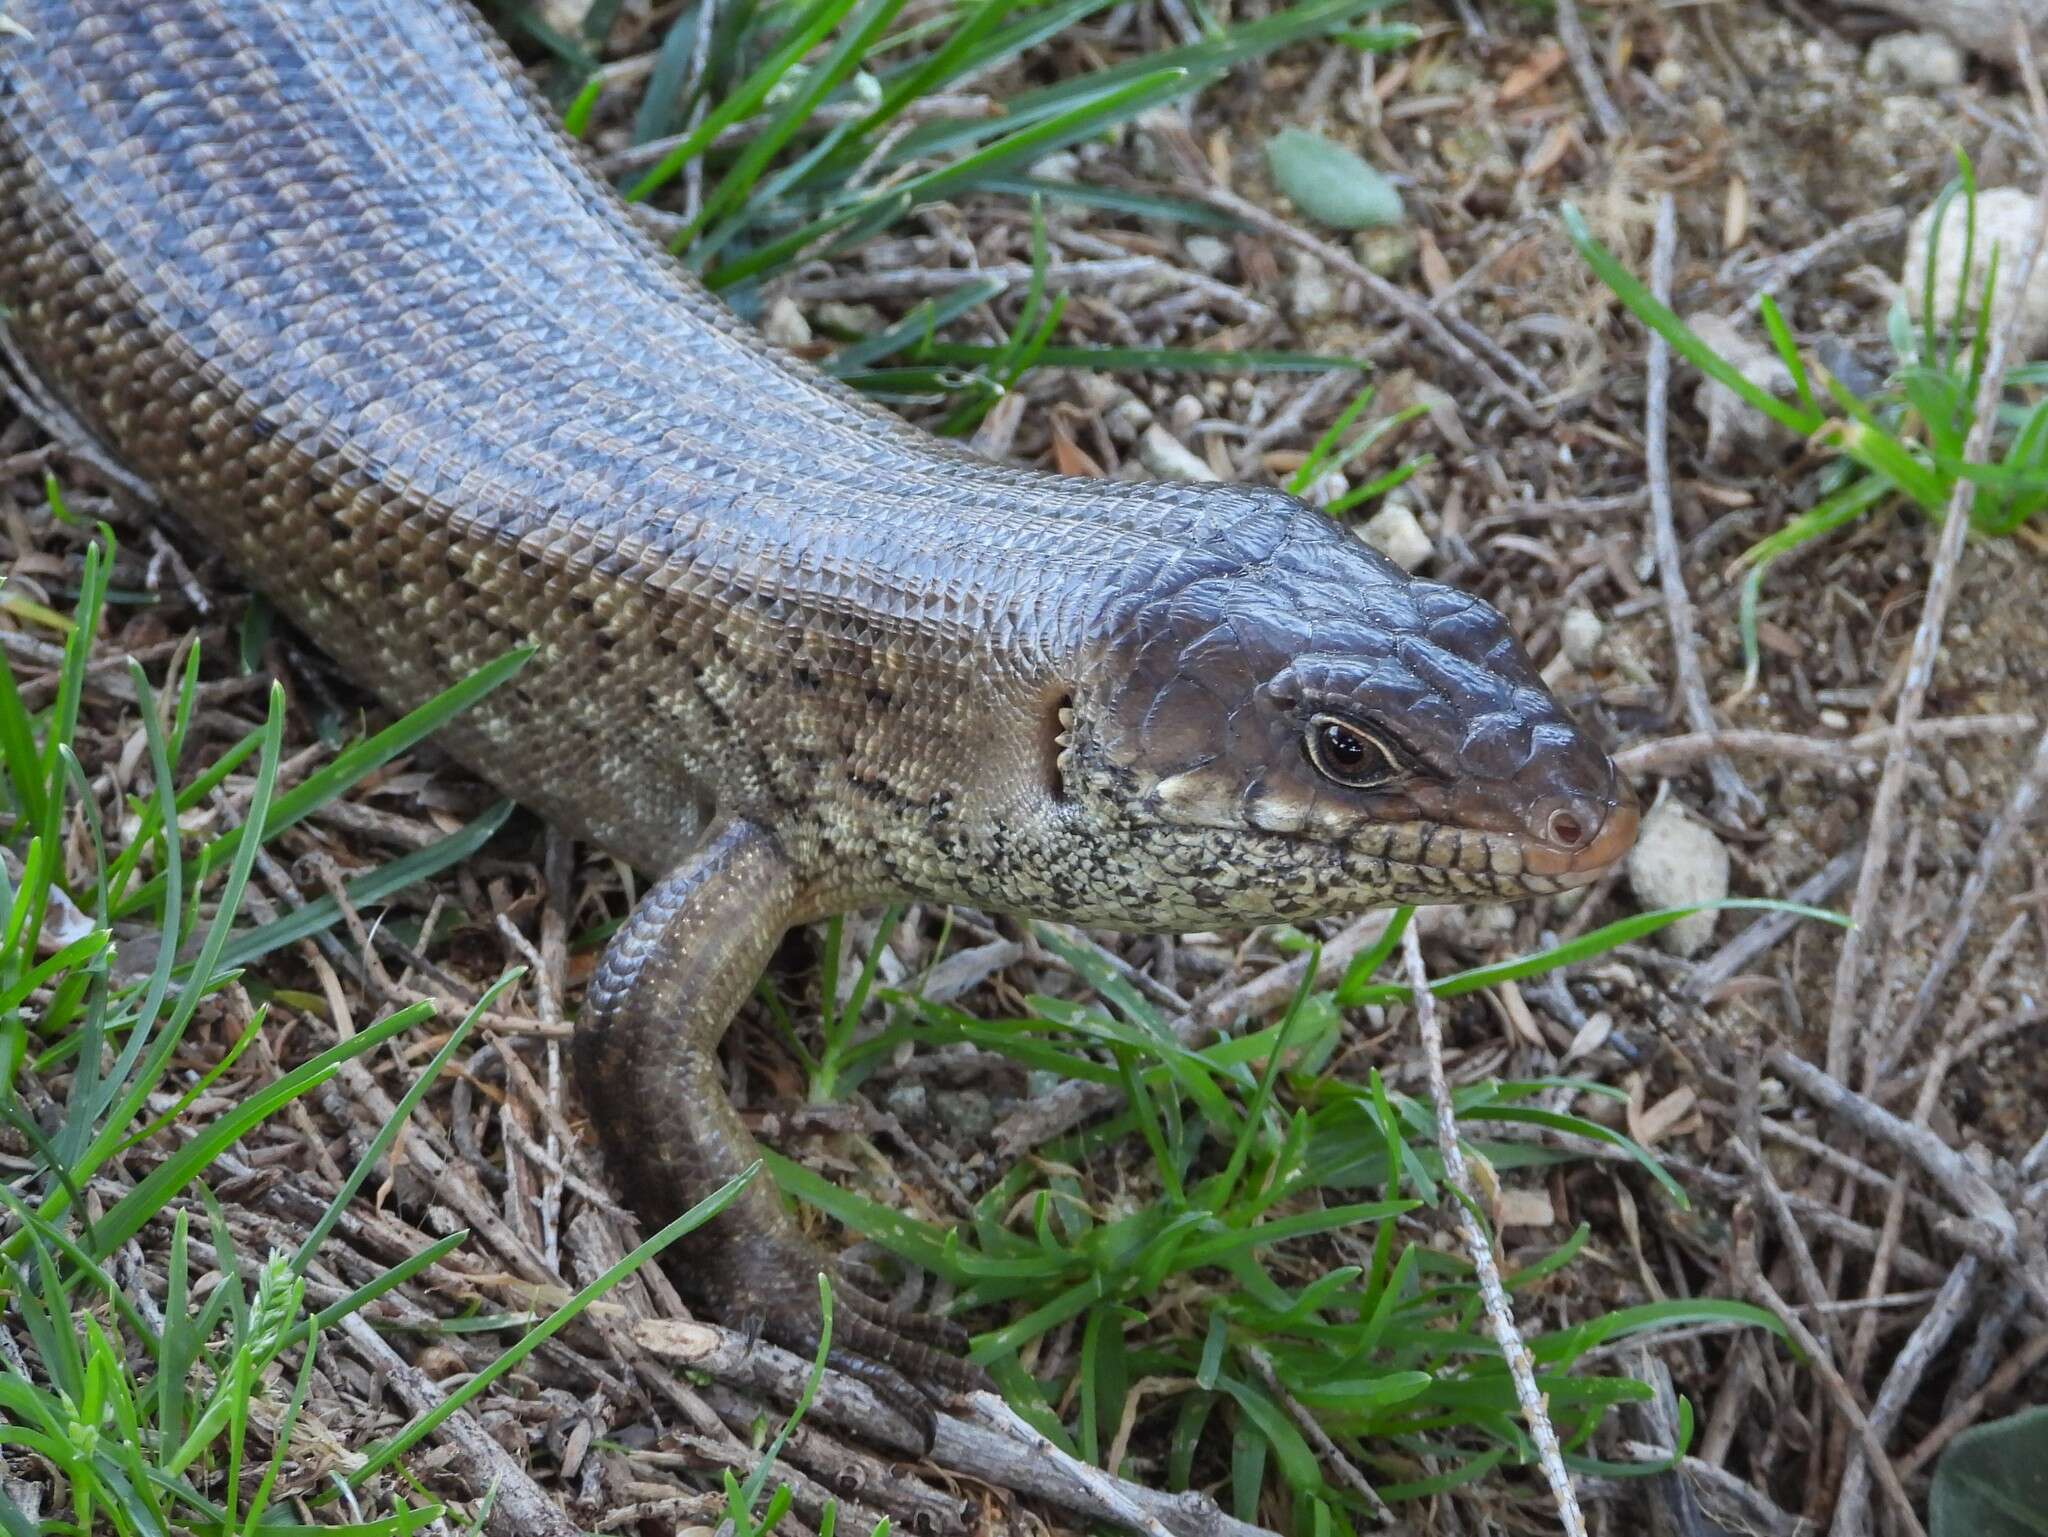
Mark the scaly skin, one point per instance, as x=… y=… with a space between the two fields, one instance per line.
x=324 y=273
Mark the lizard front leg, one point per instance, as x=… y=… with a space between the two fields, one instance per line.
x=646 y=1057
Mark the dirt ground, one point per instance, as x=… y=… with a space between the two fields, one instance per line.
x=1789 y=169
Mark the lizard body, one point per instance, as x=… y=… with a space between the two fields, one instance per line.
x=327 y=276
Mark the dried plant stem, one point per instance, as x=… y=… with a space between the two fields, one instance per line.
x=1676 y=754
x=1733 y=800
x=518 y=1508
x=1342 y=1469
x=1429 y=325
x=1965 y=1414
x=1951 y=1305
x=1843 y=1017
x=1999 y=842
x=1499 y=1310
x=1755 y=941
x=1823 y=1367
x=1571 y=32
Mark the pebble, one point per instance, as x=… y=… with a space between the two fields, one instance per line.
x=1495 y=918
x=2005 y=221
x=1678 y=861
x=1127 y=418
x=1957 y=776
x=1208 y=253
x=1834 y=720
x=565 y=16
x=1167 y=457
x=1310 y=293
x=1925 y=60
x=1060 y=165
x=1580 y=634
x=1185 y=412
x=1398 y=534
x=907 y=1102
x=1735 y=428
x=1387 y=252
x=963 y=1115
x=784 y=323
x=861 y=319
x=1326 y=488
x=1982 y=26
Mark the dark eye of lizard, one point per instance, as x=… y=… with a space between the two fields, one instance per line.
x=1349 y=755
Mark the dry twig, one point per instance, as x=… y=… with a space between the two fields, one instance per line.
x=1427 y=322
x=1733 y=800
x=1822 y=1364
x=1677 y=754
x=1499 y=1310
x=1571 y=32
x=1843 y=1017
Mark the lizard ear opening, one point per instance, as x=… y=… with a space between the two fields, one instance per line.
x=1058 y=737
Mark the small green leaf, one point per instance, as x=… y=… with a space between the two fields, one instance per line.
x=1329 y=183
x=1993 y=1480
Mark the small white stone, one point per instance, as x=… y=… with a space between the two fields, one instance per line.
x=1677 y=862
x=1735 y=428
x=1167 y=457
x=1127 y=418
x=1669 y=73
x=564 y=16
x=861 y=319
x=1580 y=633
x=2005 y=222
x=1922 y=60
x=784 y=323
x=1185 y=412
x=1388 y=250
x=906 y=1101
x=1491 y=918
x=1208 y=253
x=1310 y=293
x=1326 y=488
x=1060 y=165
x=1834 y=720
x=1957 y=776
x=1982 y=26
x=1398 y=534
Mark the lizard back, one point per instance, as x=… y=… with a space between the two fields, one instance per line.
x=330 y=279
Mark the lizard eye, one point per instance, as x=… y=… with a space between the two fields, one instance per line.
x=1350 y=756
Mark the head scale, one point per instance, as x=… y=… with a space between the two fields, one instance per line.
x=1309 y=730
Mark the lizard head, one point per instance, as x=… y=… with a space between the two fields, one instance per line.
x=1304 y=729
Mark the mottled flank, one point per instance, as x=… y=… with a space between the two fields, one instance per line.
x=325 y=273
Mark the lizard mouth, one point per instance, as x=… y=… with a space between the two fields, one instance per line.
x=1578 y=846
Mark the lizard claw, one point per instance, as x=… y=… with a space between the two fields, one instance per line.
x=907 y=1359
x=854 y=1354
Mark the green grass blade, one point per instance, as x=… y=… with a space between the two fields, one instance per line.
x=807 y=33
x=388 y=1132
x=155 y=1190
x=350 y=766
x=552 y=1325
x=366 y=890
x=1660 y=318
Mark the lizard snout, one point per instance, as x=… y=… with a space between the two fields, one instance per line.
x=1579 y=836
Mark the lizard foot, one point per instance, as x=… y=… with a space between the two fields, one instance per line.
x=905 y=1358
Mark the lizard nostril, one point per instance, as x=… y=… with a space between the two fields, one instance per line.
x=1567 y=829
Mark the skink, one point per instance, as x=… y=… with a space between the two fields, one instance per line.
x=327 y=276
